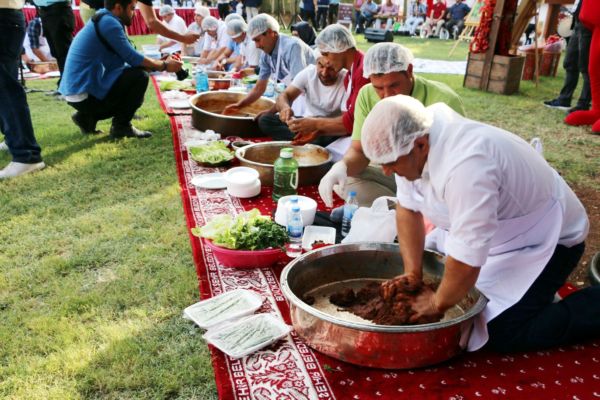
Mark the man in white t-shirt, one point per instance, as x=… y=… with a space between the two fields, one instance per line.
x=241 y=51
x=324 y=90
x=176 y=24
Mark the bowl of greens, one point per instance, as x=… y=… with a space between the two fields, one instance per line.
x=248 y=240
x=211 y=154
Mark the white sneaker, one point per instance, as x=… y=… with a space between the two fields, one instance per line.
x=14 y=169
x=3 y=146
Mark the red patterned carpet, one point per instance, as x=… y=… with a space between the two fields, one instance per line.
x=290 y=370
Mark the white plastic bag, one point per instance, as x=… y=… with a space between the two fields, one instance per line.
x=374 y=224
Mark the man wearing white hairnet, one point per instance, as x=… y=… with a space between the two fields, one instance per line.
x=389 y=67
x=282 y=58
x=507 y=223
x=241 y=51
x=195 y=49
x=337 y=45
x=216 y=41
x=175 y=23
x=323 y=88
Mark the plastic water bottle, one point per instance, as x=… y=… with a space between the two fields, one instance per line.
x=285 y=177
x=294 y=229
x=201 y=81
x=236 y=83
x=349 y=209
x=270 y=91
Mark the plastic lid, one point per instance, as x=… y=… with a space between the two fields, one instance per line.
x=237 y=75
x=295 y=209
x=294 y=199
x=352 y=193
x=286 y=153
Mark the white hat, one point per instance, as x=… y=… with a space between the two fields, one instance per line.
x=202 y=11
x=166 y=10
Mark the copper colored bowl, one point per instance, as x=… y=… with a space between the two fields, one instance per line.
x=207 y=111
x=378 y=346
x=313 y=161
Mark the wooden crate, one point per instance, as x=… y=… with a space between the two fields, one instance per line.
x=505 y=75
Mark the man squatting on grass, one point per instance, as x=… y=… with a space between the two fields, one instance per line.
x=105 y=77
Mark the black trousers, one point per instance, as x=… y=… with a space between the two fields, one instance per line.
x=121 y=102
x=577 y=58
x=309 y=15
x=59 y=24
x=332 y=15
x=536 y=323
x=223 y=9
x=460 y=25
x=322 y=12
x=271 y=125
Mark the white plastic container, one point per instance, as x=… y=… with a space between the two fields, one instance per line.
x=224 y=307
x=245 y=336
x=308 y=208
x=317 y=233
x=242 y=182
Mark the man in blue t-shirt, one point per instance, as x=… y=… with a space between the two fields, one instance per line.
x=455 y=16
x=105 y=77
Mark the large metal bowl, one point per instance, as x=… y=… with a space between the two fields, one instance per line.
x=208 y=106
x=378 y=346
x=314 y=161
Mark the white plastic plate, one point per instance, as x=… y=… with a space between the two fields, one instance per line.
x=313 y=233
x=245 y=336
x=224 y=307
x=210 y=181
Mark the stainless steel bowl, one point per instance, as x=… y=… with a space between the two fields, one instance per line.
x=314 y=161
x=378 y=346
x=208 y=106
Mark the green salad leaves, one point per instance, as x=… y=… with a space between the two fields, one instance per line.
x=211 y=153
x=247 y=231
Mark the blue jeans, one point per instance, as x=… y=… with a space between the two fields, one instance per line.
x=15 y=120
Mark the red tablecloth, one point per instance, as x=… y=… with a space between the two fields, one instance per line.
x=138 y=26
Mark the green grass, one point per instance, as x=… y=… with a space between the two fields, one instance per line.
x=95 y=261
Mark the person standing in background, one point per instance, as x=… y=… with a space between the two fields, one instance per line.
x=252 y=8
x=308 y=12
x=59 y=24
x=223 y=7
x=35 y=44
x=332 y=15
x=15 y=119
x=322 y=11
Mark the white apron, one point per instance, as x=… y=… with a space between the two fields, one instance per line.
x=298 y=106
x=521 y=248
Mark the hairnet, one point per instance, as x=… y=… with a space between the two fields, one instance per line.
x=260 y=24
x=210 y=23
x=335 y=38
x=384 y=58
x=202 y=11
x=236 y=27
x=231 y=16
x=166 y=10
x=390 y=129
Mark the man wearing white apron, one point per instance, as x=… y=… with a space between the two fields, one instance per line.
x=282 y=58
x=506 y=221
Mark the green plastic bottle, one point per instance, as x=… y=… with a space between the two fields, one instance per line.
x=285 y=178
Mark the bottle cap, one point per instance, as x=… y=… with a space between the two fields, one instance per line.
x=295 y=209
x=286 y=153
x=352 y=193
x=294 y=199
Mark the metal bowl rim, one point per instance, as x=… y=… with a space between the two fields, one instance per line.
x=198 y=95
x=245 y=148
x=287 y=292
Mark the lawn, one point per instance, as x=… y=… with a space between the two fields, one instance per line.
x=95 y=261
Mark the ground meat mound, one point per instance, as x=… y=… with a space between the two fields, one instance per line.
x=369 y=303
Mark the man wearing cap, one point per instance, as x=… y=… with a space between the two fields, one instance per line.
x=241 y=51
x=338 y=46
x=107 y=78
x=324 y=90
x=389 y=68
x=506 y=221
x=195 y=49
x=215 y=41
x=176 y=24
x=282 y=58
